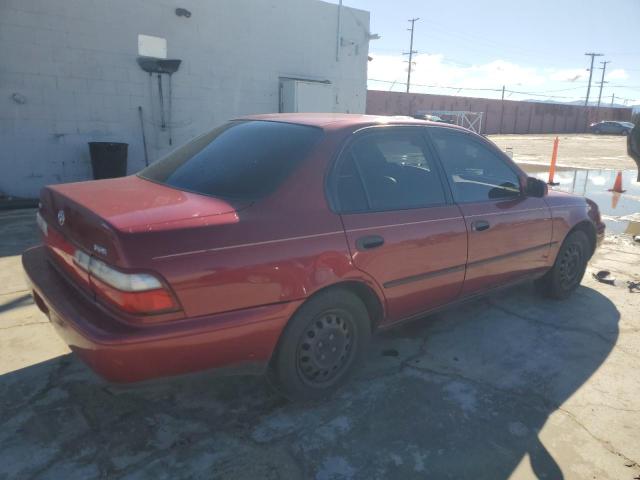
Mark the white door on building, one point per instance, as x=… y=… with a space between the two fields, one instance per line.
x=306 y=96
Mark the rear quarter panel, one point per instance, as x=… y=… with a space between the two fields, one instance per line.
x=282 y=248
x=566 y=212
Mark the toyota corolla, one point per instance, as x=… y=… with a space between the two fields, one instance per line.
x=281 y=242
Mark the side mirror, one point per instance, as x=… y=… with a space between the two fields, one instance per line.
x=536 y=187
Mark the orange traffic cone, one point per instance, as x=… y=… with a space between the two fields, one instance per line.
x=615 y=198
x=554 y=158
x=617 y=185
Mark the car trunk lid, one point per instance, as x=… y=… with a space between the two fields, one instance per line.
x=96 y=215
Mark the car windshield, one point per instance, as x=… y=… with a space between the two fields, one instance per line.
x=241 y=159
x=627 y=124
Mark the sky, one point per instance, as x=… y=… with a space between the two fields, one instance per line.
x=536 y=47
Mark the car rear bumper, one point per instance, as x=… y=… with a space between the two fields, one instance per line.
x=124 y=353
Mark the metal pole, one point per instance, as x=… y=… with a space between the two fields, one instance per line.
x=586 y=180
x=339 y=31
x=144 y=138
x=592 y=55
x=613 y=97
x=604 y=69
x=411 y=52
x=169 y=113
x=163 y=125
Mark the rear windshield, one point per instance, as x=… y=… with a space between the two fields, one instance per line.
x=241 y=159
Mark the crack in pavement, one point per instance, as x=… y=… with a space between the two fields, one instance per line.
x=605 y=443
x=6 y=294
x=525 y=397
x=604 y=405
x=24 y=325
x=556 y=326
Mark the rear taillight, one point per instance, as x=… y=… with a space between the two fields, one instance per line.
x=146 y=301
x=140 y=293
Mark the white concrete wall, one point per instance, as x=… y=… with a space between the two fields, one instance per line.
x=74 y=64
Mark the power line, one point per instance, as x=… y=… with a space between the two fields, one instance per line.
x=477 y=89
x=441 y=86
x=592 y=55
x=497 y=90
x=411 y=51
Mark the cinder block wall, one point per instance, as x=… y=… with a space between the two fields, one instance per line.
x=498 y=116
x=73 y=64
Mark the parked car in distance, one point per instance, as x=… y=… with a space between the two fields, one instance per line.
x=282 y=242
x=431 y=118
x=611 y=127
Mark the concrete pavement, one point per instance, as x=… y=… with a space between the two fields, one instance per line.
x=512 y=386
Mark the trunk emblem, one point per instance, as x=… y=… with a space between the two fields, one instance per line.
x=61 y=217
x=99 y=249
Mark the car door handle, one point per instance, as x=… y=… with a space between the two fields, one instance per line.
x=480 y=225
x=369 y=242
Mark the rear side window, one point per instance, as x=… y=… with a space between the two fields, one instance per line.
x=476 y=173
x=388 y=171
x=242 y=159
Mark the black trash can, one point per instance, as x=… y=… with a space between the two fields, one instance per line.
x=108 y=159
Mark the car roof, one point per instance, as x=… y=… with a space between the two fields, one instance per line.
x=334 y=121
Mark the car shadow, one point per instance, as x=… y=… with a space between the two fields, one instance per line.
x=462 y=394
x=18 y=231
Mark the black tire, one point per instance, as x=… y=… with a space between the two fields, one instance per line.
x=320 y=346
x=568 y=269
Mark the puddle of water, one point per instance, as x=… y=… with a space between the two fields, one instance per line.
x=620 y=211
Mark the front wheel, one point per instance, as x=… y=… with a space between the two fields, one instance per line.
x=568 y=269
x=321 y=345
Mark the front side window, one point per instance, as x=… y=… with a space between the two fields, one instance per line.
x=388 y=171
x=239 y=160
x=475 y=172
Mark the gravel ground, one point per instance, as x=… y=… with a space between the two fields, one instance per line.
x=574 y=150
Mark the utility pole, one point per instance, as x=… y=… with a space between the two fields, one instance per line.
x=613 y=97
x=602 y=82
x=411 y=51
x=592 y=55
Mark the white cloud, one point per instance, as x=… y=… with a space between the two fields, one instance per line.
x=569 y=75
x=436 y=71
x=617 y=74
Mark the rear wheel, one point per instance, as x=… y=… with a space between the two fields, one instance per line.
x=321 y=345
x=569 y=267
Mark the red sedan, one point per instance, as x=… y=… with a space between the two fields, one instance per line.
x=281 y=242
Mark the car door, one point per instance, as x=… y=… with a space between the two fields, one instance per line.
x=399 y=219
x=509 y=232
